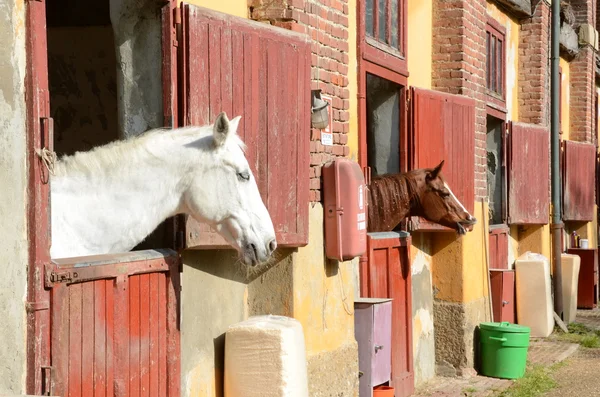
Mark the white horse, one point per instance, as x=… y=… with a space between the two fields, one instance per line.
x=111 y=198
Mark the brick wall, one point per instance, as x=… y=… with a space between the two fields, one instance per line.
x=583 y=78
x=459 y=65
x=582 y=95
x=584 y=11
x=534 y=67
x=326 y=22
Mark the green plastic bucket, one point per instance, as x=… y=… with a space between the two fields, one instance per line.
x=503 y=349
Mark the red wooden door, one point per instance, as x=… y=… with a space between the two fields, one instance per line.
x=115 y=325
x=579 y=161
x=528 y=181
x=443 y=128
x=262 y=73
x=386 y=274
x=499 y=247
x=104 y=325
x=503 y=295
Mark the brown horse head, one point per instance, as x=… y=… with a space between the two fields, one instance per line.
x=437 y=203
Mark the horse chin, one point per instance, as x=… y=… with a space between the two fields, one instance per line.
x=463 y=227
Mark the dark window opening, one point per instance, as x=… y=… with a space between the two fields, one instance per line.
x=82 y=75
x=383 y=125
x=495 y=170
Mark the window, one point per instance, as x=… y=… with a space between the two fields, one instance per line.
x=383 y=125
x=382 y=33
x=495 y=65
x=496 y=173
x=381 y=23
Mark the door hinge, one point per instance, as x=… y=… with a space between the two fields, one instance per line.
x=46 y=380
x=177 y=26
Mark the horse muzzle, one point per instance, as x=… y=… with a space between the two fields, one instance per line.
x=253 y=255
x=466 y=226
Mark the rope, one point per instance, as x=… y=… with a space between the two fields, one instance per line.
x=48 y=157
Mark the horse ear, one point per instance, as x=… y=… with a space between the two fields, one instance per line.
x=234 y=123
x=221 y=129
x=435 y=172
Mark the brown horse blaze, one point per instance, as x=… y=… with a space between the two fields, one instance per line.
x=422 y=192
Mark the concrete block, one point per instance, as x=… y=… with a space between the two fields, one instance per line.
x=588 y=35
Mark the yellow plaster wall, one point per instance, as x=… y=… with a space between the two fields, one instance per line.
x=512 y=58
x=420 y=28
x=323 y=293
x=233 y=7
x=459 y=264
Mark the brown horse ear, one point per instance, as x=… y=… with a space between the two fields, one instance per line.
x=435 y=172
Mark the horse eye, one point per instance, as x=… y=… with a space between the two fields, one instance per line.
x=244 y=176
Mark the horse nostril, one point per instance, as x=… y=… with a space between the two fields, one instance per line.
x=254 y=250
x=272 y=245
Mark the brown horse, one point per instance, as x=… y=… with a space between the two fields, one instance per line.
x=421 y=192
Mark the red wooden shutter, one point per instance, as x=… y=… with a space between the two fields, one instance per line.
x=443 y=128
x=114 y=324
x=578 y=181
x=262 y=73
x=387 y=274
x=529 y=174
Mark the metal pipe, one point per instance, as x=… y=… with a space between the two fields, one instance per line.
x=557 y=225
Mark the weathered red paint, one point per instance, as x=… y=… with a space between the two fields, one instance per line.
x=115 y=330
x=263 y=74
x=578 y=181
x=59 y=314
x=499 y=247
x=443 y=128
x=587 y=285
x=502 y=283
x=38 y=110
x=529 y=174
x=386 y=274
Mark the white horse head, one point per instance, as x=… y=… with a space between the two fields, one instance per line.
x=224 y=194
x=111 y=198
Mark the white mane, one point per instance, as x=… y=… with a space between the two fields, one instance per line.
x=120 y=154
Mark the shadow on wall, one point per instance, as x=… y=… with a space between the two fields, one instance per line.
x=218 y=291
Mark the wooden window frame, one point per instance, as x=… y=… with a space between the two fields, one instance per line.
x=371 y=50
x=496 y=30
x=376 y=70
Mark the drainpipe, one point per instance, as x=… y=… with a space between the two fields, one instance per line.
x=557 y=225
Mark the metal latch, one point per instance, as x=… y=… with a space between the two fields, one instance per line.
x=63 y=277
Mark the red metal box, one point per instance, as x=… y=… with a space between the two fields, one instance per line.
x=345 y=206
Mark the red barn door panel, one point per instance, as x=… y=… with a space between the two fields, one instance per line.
x=386 y=274
x=261 y=73
x=115 y=325
x=443 y=128
x=578 y=181
x=529 y=174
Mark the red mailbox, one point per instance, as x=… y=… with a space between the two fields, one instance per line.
x=344 y=199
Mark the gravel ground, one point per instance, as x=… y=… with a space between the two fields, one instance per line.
x=580 y=376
